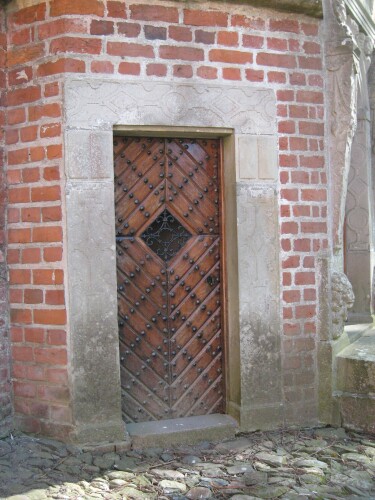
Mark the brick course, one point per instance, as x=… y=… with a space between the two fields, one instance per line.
x=139 y=40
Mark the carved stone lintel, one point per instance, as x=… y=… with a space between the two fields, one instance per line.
x=342 y=299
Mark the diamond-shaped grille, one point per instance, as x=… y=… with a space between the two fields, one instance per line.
x=166 y=236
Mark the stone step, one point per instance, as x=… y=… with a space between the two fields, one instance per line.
x=355 y=383
x=188 y=430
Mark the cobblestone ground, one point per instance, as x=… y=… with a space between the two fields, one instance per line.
x=315 y=463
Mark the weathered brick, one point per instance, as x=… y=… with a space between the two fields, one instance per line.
x=50 y=355
x=99 y=27
x=205 y=18
x=182 y=71
x=310 y=62
x=278 y=60
x=310 y=96
x=207 y=72
x=130 y=49
x=180 y=33
x=47 y=234
x=25 y=95
x=254 y=23
x=207 y=37
x=311 y=128
x=230 y=56
x=155 y=32
x=254 y=75
x=29 y=15
x=48 y=276
x=156 y=69
x=287 y=25
x=229 y=38
x=126 y=68
x=66 y=65
x=55 y=297
x=116 y=9
x=145 y=12
x=49 y=316
x=61 y=26
x=52 y=254
x=231 y=73
x=130 y=30
x=76 y=45
x=83 y=7
x=277 y=44
x=23 y=55
x=253 y=41
x=183 y=53
x=33 y=296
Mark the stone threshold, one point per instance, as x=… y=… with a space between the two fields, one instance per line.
x=188 y=430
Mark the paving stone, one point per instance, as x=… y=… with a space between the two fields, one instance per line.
x=134 y=494
x=234 y=445
x=356 y=457
x=255 y=477
x=126 y=476
x=310 y=463
x=36 y=494
x=192 y=480
x=311 y=479
x=171 y=486
x=272 y=458
x=152 y=452
x=115 y=483
x=198 y=493
x=239 y=469
x=125 y=464
x=243 y=497
x=191 y=459
x=331 y=433
x=215 y=482
x=174 y=475
x=269 y=491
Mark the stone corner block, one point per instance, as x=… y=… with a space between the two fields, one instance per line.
x=257 y=158
x=88 y=154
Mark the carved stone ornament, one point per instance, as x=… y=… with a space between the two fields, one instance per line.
x=345 y=21
x=342 y=300
x=348 y=57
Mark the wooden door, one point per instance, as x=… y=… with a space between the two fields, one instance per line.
x=167 y=194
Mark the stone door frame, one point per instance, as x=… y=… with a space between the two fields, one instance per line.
x=246 y=119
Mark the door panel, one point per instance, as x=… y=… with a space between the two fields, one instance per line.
x=167 y=194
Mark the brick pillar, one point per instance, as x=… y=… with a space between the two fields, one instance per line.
x=5 y=386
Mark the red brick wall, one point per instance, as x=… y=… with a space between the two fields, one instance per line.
x=5 y=375
x=259 y=48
